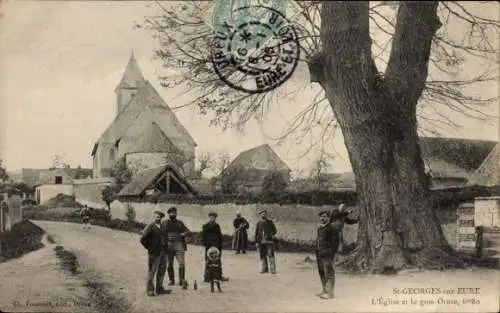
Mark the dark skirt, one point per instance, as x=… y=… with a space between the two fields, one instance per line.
x=240 y=239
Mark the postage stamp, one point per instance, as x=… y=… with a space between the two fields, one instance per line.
x=255 y=46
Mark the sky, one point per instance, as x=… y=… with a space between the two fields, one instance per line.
x=61 y=61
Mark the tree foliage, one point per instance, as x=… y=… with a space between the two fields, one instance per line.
x=121 y=175
x=320 y=168
x=380 y=71
x=184 y=49
x=206 y=161
x=231 y=179
x=3 y=172
x=274 y=182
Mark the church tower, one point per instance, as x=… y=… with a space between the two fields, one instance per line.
x=129 y=84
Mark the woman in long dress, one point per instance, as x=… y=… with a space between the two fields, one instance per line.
x=240 y=238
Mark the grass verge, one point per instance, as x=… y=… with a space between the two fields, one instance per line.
x=23 y=237
x=99 y=292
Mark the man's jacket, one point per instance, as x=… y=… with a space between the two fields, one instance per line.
x=176 y=227
x=265 y=230
x=154 y=238
x=211 y=235
x=328 y=239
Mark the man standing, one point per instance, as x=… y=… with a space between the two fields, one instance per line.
x=85 y=215
x=240 y=238
x=211 y=236
x=327 y=244
x=265 y=232
x=154 y=240
x=176 y=245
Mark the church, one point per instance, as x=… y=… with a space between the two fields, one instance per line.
x=145 y=131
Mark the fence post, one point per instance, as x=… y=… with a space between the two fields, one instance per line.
x=479 y=241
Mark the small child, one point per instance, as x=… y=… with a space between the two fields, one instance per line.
x=214 y=268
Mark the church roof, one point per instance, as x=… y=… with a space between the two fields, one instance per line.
x=152 y=138
x=132 y=76
x=147 y=100
x=261 y=157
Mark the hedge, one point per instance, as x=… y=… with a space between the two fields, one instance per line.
x=439 y=197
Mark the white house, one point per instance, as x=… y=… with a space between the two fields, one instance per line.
x=56 y=182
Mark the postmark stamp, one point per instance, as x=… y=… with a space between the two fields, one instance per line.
x=254 y=47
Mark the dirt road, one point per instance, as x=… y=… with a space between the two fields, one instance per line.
x=116 y=258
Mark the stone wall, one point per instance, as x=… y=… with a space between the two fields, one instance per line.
x=295 y=223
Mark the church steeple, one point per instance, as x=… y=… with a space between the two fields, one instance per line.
x=131 y=80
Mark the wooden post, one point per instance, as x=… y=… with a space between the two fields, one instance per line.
x=167 y=179
x=479 y=241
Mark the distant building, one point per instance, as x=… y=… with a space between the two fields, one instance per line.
x=54 y=183
x=449 y=162
x=76 y=182
x=254 y=164
x=145 y=130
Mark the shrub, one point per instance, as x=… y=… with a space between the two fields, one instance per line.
x=274 y=182
x=22 y=238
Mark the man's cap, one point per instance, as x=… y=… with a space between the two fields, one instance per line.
x=212 y=214
x=262 y=211
x=172 y=210
x=160 y=213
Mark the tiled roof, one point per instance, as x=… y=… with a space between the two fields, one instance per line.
x=262 y=157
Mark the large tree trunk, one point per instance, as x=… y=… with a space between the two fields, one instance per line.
x=377 y=115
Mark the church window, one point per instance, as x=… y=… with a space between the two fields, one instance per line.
x=112 y=155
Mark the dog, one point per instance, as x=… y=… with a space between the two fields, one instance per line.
x=214 y=268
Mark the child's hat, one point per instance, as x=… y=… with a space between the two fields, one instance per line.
x=213 y=250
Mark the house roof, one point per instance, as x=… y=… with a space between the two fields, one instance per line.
x=32 y=176
x=444 y=157
x=488 y=174
x=439 y=168
x=467 y=154
x=262 y=157
x=147 y=101
x=53 y=173
x=132 y=76
x=147 y=178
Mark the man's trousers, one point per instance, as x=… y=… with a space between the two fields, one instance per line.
x=157 y=265
x=267 y=257
x=179 y=255
x=326 y=272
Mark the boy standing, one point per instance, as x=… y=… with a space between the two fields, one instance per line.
x=85 y=215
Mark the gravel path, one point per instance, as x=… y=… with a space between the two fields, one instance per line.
x=116 y=258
